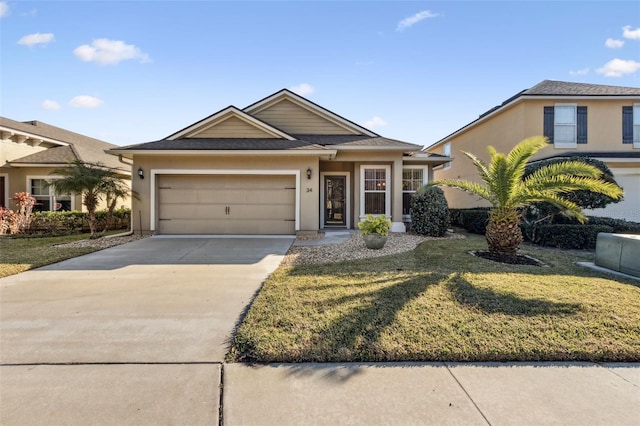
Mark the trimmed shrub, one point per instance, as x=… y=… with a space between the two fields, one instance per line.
x=75 y=222
x=571 y=236
x=429 y=212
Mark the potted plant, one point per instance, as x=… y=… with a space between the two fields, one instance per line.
x=374 y=231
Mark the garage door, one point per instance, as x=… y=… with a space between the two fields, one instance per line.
x=226 y=204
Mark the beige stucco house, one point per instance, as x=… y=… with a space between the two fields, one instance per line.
x=596 y=121
x=31 y=150
x=283 y=165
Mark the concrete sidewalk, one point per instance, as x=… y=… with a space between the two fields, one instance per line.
x=432 y=394
x=322 y=394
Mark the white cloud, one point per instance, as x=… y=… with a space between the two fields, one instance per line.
x=85 y=101
x=37 y=38
x=50 y=105
x=583 y=71
x=627 y=32
x=613 y=43
x=375 y=122
x=109 y=52
x=619 y=67
x=303 y=89
x=412 y=20
x=4 y=9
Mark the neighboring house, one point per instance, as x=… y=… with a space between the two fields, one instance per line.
x=282 y=165
x=31 y=150
x=590 y=120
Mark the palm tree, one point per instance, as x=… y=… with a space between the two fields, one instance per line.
x=509 y=192
x=93 y=181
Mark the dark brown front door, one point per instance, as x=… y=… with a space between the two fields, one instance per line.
x=334 y=201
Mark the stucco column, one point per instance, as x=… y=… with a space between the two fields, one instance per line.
x=396 y=200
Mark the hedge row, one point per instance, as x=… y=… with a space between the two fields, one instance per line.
x=75 y=222
x=565 y=232
x=569 y=236
x=472 y=220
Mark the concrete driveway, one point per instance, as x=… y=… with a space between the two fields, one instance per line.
x=160 y=300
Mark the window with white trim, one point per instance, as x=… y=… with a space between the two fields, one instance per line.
x=446 y=151
x=412 y=180
x=375 y=184
x=47 y=199
x=564 y=125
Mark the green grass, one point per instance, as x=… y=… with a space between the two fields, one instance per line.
x=21 y=254
x=440 y=303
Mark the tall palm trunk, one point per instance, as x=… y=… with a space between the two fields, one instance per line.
x=503 y=234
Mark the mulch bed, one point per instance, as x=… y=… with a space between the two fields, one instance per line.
x=518 y=259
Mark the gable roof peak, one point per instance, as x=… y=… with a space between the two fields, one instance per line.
x=349 y=126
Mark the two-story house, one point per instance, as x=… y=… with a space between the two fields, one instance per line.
x=579 y=119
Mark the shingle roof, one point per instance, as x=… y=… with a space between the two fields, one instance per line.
x=563 y=88
x=303 y=142
x=225 y=144
x=85 y=148
x=56 y=155
x=337 y=141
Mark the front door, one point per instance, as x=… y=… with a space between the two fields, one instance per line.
x=335 y=213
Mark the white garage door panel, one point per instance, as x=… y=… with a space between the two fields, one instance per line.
x=233 y=204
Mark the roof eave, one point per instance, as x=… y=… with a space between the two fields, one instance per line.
x=218 y=152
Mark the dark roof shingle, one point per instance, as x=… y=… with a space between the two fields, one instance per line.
x=563 y=88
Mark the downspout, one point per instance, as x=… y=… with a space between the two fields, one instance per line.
x=130 y=231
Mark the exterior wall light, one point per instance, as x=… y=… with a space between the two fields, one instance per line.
x=309 y=173
x=141 y=173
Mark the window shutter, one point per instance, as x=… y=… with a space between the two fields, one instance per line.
x=582 y=125
x=548 y=123
x=627 y=124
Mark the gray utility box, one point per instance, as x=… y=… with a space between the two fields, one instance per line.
x=620 y=252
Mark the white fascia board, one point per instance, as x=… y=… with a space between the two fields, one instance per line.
x=615 y=160
x=238 y=113
x=31 y=136
x=377 y=148
x=331 y=116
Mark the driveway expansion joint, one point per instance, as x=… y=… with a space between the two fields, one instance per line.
x=466 y=393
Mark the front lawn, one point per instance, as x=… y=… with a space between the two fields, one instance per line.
x=21 y=254
x=440 y=303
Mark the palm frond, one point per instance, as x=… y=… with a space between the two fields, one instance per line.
x=480 y=165
x=565 y=183
x=467 y=186
x=573 y=168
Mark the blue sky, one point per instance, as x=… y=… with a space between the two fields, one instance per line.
x=136 y=71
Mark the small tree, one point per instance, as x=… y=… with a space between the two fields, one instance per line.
x=94 y=182
x=508 y=191
x=429 y=212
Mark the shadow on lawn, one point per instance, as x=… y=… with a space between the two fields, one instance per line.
x=354 y=335
x=492 y=302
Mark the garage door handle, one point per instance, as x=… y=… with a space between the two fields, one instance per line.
x=227 y=210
